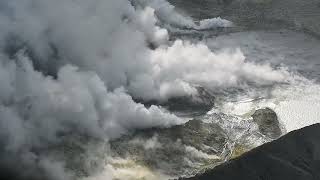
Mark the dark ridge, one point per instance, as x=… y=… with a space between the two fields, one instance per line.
x=198 y=104
x=295 y=156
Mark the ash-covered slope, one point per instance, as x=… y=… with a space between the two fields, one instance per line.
x=295 y=156
x=197 y=145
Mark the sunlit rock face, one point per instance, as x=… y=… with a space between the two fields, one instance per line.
x=268 y=123
x=188 y=149
x=177 y=150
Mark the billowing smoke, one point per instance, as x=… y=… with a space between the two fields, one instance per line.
x=75 y=66
x=168 y=14
x=112 y=39
x=36 y=109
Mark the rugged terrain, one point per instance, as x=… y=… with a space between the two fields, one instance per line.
x=294 y=156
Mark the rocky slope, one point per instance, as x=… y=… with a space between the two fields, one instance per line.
x=198 y=145
x=295 y=156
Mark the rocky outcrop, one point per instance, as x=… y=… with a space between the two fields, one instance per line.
x=202 y=102
x=193 y=105
x=268 y=123
x=175 y=150
x=193 y=147
x=295 y=156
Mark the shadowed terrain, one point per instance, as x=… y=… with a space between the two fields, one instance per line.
x=294 y=156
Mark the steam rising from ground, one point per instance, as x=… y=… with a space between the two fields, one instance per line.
x=75 y=66
x=111 y=39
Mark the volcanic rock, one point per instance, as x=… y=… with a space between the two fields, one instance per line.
x=268 y=123
x=295 y=156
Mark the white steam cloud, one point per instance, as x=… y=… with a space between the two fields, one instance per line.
x=111 y=39
x=39 y=107
x=74 y=66
x=168 y=15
